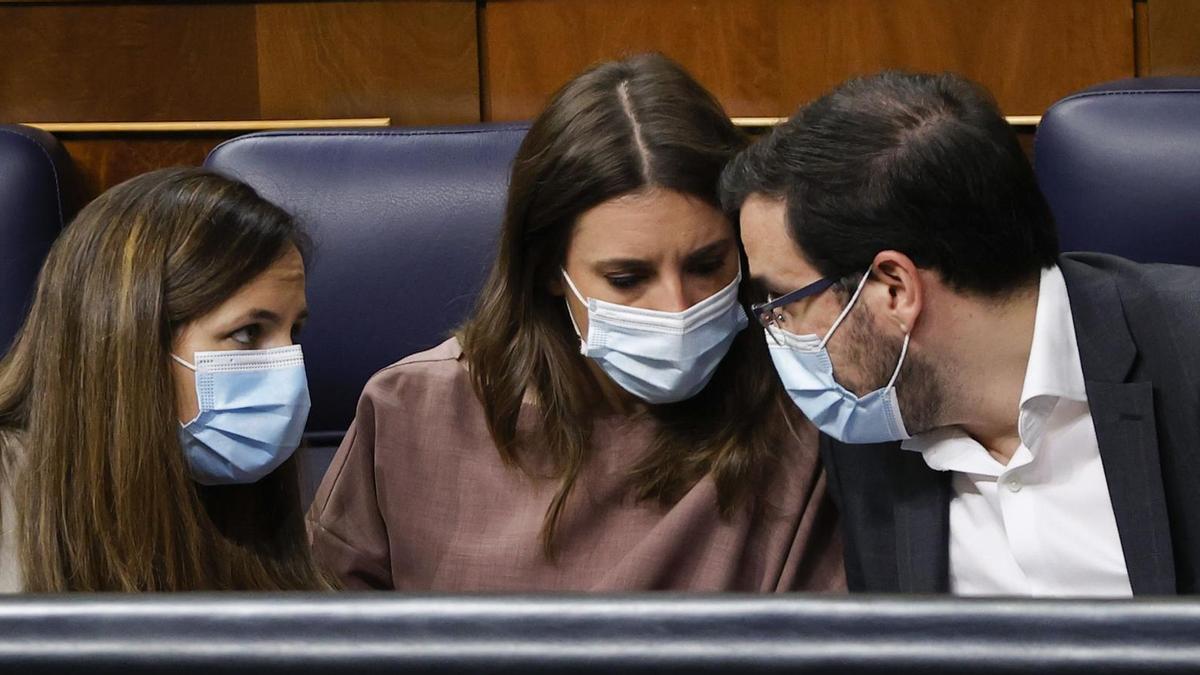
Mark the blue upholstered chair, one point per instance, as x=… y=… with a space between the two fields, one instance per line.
x=1120 y=166
x=36 y=182
x=405 y=223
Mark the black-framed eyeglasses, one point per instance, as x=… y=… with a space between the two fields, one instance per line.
x=770 y=313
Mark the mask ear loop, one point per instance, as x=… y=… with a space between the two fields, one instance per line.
x=846 y=312
x=192 y=368
x=903 y=352
x=578 y=295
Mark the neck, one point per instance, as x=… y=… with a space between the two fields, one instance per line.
x=991 y=346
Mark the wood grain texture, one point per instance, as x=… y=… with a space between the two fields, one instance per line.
x=764 y=57
x=419 y=61
x=414 y=61
x=1173 y=37
x=122 y=62
x=105 y=160
x=1141 y=38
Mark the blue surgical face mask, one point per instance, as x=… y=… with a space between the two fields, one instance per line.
x=253 y=407
x=807 y=374
x=661 y=357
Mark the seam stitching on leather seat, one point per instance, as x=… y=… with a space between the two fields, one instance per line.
x=1124 y=92
x=334 y=134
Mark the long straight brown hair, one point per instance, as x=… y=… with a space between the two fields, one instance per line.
x=105 y=500
x=618 y=128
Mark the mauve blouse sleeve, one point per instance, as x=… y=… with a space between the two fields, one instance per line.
x=345 y=528
x=817 y=551
x=815 y=562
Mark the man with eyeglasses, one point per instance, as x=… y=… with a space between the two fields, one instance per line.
x=996 y=418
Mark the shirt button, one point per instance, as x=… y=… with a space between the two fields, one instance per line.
x=1014 y=484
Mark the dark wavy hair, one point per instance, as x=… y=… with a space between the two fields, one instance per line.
x=618 y=128
x=88 y=427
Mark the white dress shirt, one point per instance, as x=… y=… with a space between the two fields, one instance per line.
x=1043 y=525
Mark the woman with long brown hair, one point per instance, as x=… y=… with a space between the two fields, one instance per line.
x=150 y=405
x=606 y=420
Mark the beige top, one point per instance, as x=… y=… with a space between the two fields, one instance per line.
x=11 y=576
x=417 y=498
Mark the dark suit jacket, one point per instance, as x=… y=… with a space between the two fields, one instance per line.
x=1138 y=328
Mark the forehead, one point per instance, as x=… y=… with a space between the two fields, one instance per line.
x=648 y=224
x=282 y=281
x=287 y=269
x=770 y=249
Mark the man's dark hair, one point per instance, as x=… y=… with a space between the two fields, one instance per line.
x=921 y=164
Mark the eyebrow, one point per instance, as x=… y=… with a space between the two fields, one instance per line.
x=708 y=249
x=612 y=263
x=259 y=314
x=765 y=284
x=717 y=247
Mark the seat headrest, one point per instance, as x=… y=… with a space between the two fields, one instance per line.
x=1119 y=164
x=36 y=177
x=405 y=224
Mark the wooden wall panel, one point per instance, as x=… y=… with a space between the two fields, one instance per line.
x=415 y=62
x=1173 y=37
x=1029 y=53
x=107 y=159
x=1141 y=38
x=419 y=61
x=763 y=57
x=84 y=62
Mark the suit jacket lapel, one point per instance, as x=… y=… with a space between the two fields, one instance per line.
x=1123 y=415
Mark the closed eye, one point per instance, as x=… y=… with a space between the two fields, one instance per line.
x=624 y=281
x=707 y=267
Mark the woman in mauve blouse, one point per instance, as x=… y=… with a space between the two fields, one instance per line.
x=606 y=420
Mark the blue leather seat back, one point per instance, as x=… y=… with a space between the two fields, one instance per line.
x=35 y=180
x=405 y=224
x=1120 y=165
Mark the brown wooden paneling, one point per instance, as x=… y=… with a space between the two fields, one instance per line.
x=88 y=62
x=1141 y=38
x=105 y=160
x=1173 y=37
x=763 y=57
x=415 y=62
x=1029 y=53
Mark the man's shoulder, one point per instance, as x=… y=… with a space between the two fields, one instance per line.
x=1129 y=273
x=1147 y=290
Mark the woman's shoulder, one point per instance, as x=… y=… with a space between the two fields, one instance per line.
x=799 y=452
x=435 y=372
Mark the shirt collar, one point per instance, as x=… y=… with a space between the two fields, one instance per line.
x=951 y=449
x=1054 y=369
x=1053 y=372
